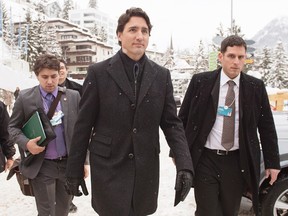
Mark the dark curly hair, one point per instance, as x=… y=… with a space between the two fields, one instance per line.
x=132 y=12
x=46 y=61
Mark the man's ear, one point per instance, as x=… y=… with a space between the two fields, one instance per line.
x=220 y=56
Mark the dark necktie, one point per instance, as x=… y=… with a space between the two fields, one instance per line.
x=136 y=70
x=229 y=121
x=135 y=73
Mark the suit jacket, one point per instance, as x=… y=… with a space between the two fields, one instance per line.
x=7 y=149
x=28 y=101
x=198 y=113
x=124 y=146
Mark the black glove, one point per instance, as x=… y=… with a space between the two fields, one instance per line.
x=183 y=184
x=72 y=186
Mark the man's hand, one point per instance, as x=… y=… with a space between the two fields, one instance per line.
x=9 y=164
x=32 y=146
x=86 y=171
x=183 y=184
x=72 y=186
x=273 y=173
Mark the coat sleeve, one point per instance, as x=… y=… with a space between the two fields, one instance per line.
x=16 y=122
x=174 y=132
x=185 y=107
x=83 y=127
x=268 y=134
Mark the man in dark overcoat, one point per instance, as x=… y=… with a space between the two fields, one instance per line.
x=222 y=175
x=125 y=99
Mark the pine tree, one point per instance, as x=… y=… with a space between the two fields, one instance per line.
x=26 y=35
x=40 y=8
x=201 y=59
x=36 y=40
x=263 y=64
x=221 y=31
x=95 y=30
x=8 y=37
x=51 y=45
x=235 y=29
x=28 y=44
x=28 y=17
x=93 y=4
x=279 y=75
x=103 y=34
x=68 y=5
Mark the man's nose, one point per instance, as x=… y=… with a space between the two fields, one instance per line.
x=139 y=35
x=237 y=60
x=49 y=80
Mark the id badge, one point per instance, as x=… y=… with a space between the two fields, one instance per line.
x=57 y=118
x=224 y=111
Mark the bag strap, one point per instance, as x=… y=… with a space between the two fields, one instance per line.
x=53 y=106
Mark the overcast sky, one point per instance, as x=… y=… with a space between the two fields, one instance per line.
x=189 y=21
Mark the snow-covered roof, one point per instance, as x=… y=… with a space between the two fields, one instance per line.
x=181 y=64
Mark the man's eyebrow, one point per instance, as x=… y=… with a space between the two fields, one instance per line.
x=133 y=26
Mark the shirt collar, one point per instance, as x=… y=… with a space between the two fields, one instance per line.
x=130 y=61
x=224 y=78
x=44 y=93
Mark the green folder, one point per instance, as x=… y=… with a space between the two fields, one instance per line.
x=34 y=128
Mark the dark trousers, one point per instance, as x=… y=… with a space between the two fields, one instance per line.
x=50 y=194
x=219 y=184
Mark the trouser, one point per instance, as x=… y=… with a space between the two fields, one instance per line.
x=219 y=184
x=50 y=194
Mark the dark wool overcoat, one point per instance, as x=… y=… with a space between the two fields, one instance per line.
x=124 y=146
x=198 y=113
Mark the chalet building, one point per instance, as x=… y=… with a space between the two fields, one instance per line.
x=96 y=21
x=80 y=48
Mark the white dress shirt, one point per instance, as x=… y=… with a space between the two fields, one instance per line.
x=215 y=135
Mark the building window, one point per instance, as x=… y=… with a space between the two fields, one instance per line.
x=81 y=69
x=89 y=21
x=65 y=37
x=79 y=47
x=84 y=58
x=89 y=14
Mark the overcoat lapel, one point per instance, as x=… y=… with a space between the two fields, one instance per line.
x=210 y=90
x=38 y=97
x=246 y=95
x=118 y=74
x=215 y=91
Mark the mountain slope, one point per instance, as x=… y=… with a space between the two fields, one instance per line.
x=274 y=31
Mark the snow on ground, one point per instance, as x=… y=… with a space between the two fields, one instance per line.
x=14 y=203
